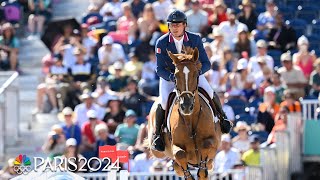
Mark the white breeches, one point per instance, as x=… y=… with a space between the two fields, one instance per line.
x=166 y=87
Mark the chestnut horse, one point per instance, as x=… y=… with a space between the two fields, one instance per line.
x=194 y=136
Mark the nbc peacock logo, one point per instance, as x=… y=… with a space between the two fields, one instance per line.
x=22 y=164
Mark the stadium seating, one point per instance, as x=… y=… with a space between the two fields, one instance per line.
x=246 y=117
x=299 y=26
x=237 y=105
x=263 y=135
x=275 y=54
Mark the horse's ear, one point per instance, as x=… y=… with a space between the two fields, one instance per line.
x=195 y=54
x=199 y=65
x=173 y=57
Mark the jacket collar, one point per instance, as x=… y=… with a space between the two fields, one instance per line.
x=185 y=37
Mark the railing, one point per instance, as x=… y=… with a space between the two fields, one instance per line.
x=9 y=109
x=309 y=108
x=251 y=173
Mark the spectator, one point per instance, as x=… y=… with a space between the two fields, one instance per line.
x=57 y=77
x=292 y=76
x=137 y=7
x=142 y=162
x=243 y=43
x=55 y=142
x=126 y=27
x=266 y=20
x=39 y=9
x=72 y=154
x=227 y=157
x=303 y=58
x=241 y=141
x=218 y=45
x=248 y=15
x=9 y=48
x=241 y=80
x=263 y=75
x=103 y=93
x=252 y=156
x=262 y=52
x=219 y=15
x=70 y=129
x=103 y=137
x=230 y=28
x=82 y=72
x=114 y=114
x=82 y=109
x=88 y=42
x=267 y=109
x=148 y=68
x=217 y=77
x=228 y=61
x=88 y=136
x=117 y=79
x=315 y=79
x=132 y=98
x=161 y=9
x=148 y=23
x=280 y=124
x=8 y=172
x=142 y=135
x=110 y=52
x=197 y=18
x=281 y=36
x=127 y=133
x=225 y=107
x=277 y=84
x=113 y=7
x=133 y=67
x=290 y=102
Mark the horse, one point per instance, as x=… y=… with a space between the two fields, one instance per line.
x=194 y=136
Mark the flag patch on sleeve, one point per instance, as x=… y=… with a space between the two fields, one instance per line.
x=158 y=51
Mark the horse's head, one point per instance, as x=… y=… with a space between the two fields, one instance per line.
x=186 y=73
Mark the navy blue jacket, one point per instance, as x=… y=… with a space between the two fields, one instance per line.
x=165 y=66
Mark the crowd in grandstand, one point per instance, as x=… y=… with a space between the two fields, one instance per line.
x=100 y=79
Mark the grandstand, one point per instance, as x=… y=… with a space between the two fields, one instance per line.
x=263 y=97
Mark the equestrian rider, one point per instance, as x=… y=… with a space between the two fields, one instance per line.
x=173 y=41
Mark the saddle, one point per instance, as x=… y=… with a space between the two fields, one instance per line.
x=202 y=93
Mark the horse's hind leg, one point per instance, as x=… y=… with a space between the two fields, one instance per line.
x=207 y=154
x=181 y=161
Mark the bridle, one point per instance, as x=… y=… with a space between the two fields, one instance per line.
x=192 y=93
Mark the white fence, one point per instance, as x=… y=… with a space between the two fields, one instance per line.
x=309 y=108
x=9 y=109
x=251 y=173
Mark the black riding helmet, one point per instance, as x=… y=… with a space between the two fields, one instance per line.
x=177 y=16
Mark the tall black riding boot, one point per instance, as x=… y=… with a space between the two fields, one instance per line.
x=225 y=124
x=157 y=139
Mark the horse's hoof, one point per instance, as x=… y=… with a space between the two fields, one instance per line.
x=202 y=173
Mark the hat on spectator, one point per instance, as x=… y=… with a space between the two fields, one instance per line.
x=217 y=32
x=303 y=40
x=7 y=26
x=246 y=3
x=241 y=125
x=220 y=3
x=130 y=112
x=100 y=127
x=107 y=40
x=242 y=64
x=270 y=2
x=261 y=44
x=67 y=111
x=71 y=142
x=77 y=51
x=116 y=66
x=92 y=114
x=86 y=95
x=226 y=138
x=242 y=29
x=231 y=11
x=195 y=2
x=286 y=56
x=270 y=89
x=57 y=129
x=254 y=138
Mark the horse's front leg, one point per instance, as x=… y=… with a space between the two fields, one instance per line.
x=181 y=161
x=207 y=154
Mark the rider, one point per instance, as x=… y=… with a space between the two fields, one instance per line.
x=173 y=41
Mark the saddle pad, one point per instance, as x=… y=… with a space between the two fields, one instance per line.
x=169 y=111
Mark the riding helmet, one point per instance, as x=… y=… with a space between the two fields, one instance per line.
x=177 y=16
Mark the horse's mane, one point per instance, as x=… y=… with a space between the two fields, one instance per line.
x=186 y=55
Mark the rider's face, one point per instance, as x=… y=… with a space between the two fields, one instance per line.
x=177 y=29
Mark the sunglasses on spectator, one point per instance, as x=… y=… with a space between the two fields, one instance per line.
x=242 y=130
